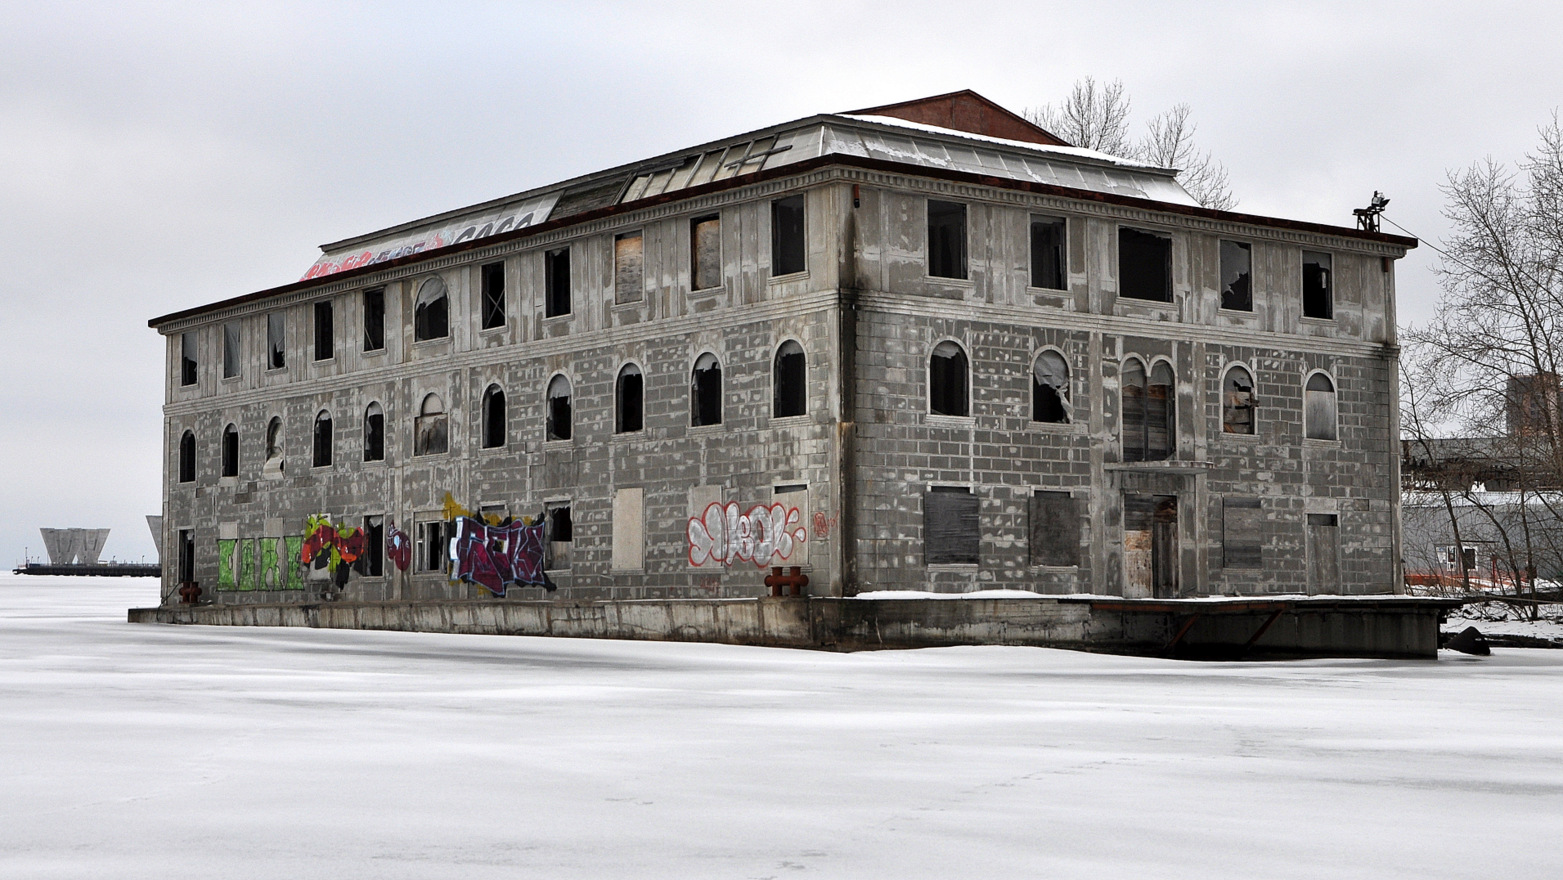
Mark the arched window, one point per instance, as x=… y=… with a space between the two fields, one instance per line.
x=431 y=314
x=629 y=400
x=187 y=457
x=322 y=456
x=947 y=380
x=789 y=379
x=431 y=435
x=559 y=408
x=374 y=433
x=274 y=462
x=1133 y=415
x=1237 y=402
x=1161 y=434
x=493 y=417
x=230 y=451
x=705 y=391
x=1050 y=389
x=1319 y=413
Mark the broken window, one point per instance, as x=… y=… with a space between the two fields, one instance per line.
x=493 y=417
x=187 y=457
x=374 y=433
x=947 y=380
x=492 y=280
x=556 y=283
x=558 y=408
x=187 y=364
x=230 y=451
x=433 y=551
x=371 y=563
x=629 y=267
x=705 y=253
x=325 y=332
x=1318 y=298
x=374 y=319
x=431 y=313
x=323 y=450
x=1149 y=413
x=952 y=532
x=705 y=391
x=946 y=239
x=276 y=342
x=1236 y=264
x=231 y=349
x=628 y=398
x=1144 y=265
x=431 y=434
x=1319 y=415
x=1241 y=529
x=274 y=461
x=1237 y=402
x=1050 y=389
x=1049 y=263
x=788 y=252
x=561 y=533
x=1054 y=537
x=789 y=377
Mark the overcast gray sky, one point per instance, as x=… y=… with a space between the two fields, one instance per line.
x=155 y=156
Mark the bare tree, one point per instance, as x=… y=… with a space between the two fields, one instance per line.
x=1096 y=116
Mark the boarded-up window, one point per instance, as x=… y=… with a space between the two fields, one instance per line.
x=1160 y=414
x=556 y=283
x=431 y=434
x=187 y=359
x=1241 y=521
x=788 y=254
x=705 y=253
x=431 y=312
x=493 y=282
x=629 y=534
x=1144 y=265
x=1236 y=290
x=1237 y=402
x=629 y=400
x=952 y=528
x=1049 y=266
x=1318 y=294
x=789 y=392
x=1319 y=408
x=1050 y=389
x=947 y=380
x=946 y=239
x=629 y=268
x=232 y=350
x=1054 y=529
x=1133 y=417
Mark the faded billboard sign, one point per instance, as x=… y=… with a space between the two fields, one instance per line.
x=494 y=221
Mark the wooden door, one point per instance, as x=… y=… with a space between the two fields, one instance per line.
x=1323 y=554
x=1164 y=547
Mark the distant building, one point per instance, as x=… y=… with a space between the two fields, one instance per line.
x=920 y=346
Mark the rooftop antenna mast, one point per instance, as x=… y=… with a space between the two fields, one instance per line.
x=1367 y=218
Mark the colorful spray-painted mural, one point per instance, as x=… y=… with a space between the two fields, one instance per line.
x=498 y=555
x=260 y=563
x=332 y=546
x=398 y=546
x=764 y=535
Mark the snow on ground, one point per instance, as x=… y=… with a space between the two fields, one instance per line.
x=1501 y=618
x=141 y=751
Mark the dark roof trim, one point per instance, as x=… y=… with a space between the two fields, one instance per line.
x=788 y=171
x=970 y=112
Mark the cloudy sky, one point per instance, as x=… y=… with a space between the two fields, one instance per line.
x=155 y=156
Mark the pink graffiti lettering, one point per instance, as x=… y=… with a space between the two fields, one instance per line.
x=724 y=534
x=823 y=525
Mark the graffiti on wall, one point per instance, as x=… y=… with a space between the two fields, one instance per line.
x=763 y=535
x=494 y=556
x=260 y=563
x=824 y=525
x=398 y=547
x=330 y=545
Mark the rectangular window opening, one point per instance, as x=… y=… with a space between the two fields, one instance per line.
x=231 y=350
x=372 y=562
x=493 y=284
x=1049 y=260
x=432 y=551
x=561 y=534
x=788 y=251
x=374 y=319
x=1054 y=529
x=276 y=342
x=1318 y=296
x=952 y=529
x=629 y=268
x=187 y=358
x=946 y=239
x=556 y=282
x=325 y=332
x=1144 y=265
x=1236 y=264
x=705 y=253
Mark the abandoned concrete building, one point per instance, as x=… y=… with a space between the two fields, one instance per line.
x=919 y=346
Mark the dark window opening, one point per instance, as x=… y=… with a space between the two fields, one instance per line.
x=371 y=563
x=952 y=528
x=276 y=342
x=556 y=283
x=1144 y=265
x=1318 y=297
x=186 y=556
x=431 y=313
x=431 y=434
x=1236 y=265
x=1050 y=389
x=628 y=396
x=705 y=391
x=433 y=552
x=493 y=417
x=788 y=249
x=1242 y=522
x=493 y=283
x=374 y=433
x=374 y=319
x=1049 y=263
x=1319 y=413
x=1237 y=402
x=322 y=456
x=946 y=239
x=325 y=332
x=790 y=377
x=561 y=533
x=187 y=364
x=274 y=445
x=558 y=408
x=231 y=350
x=230 y=451
x=1054 y=537
x=947 y=380
x=629 y=267
x=1149 y=432
x=187 y=457
x=705 y=253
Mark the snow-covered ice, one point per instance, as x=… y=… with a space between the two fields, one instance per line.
x=139 y=751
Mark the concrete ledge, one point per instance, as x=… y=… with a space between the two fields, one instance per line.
x=1254 y=628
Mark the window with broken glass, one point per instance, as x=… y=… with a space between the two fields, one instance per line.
x=946 y=239
x=1050 y=389
x=629 y=268
x=1049 y=260
x=947 y=370
x=788 y=248
x=431 y=312
x=432 y=553
x=323 y=440
x=187 y=457
x=1144 y=265
x=371 y=563
x=561 y=535
x=705 y=391
x=789 y=376
x=187 y=358
x=374 y=432
x=556 y=283
x=325 y=331
x=1237 y=402
x=1236 y=265
x=493 y=417
x=492 y=281
x=628 y=399
x=274 y=459
x=1317 y=295
x=705 y=253
x=431 y=430
x=232 y=350
x=374 y=319
x=276 y=342
x=559 y=414
x=230 y=451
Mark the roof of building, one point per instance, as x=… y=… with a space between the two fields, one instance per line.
x=959 y=135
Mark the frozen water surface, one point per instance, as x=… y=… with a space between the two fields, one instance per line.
x=130 y=751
